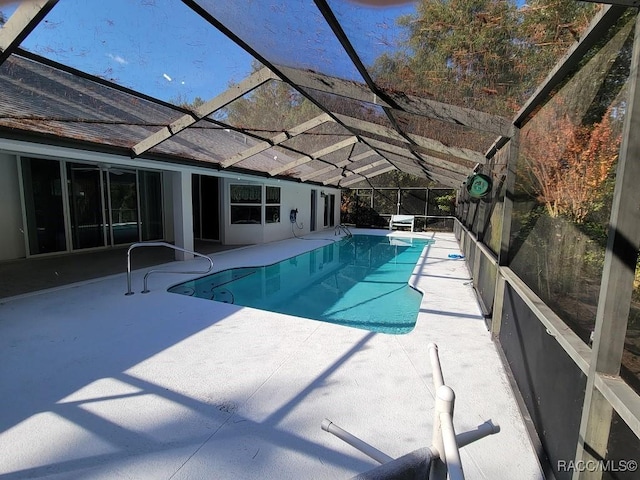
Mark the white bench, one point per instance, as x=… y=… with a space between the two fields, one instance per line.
x=401 y=221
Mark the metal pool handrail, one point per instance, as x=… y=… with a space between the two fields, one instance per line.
x=342 y=228
x=160 y=244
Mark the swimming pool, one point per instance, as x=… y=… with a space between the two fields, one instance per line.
x=359 y=281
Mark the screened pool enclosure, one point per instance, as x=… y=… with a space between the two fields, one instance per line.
x=132 y=120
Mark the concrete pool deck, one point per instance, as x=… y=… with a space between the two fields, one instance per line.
x=97 y=385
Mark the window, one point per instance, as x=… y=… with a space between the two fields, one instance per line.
x=246 y=204
x=272 y=208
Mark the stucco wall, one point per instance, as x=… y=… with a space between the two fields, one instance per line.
x=292 y=196
x=167 y=206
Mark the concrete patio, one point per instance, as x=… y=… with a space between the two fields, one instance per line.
x=98 y=385
x=37 y=273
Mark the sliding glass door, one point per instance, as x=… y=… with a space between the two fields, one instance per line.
x=123 y=195
x=85 y=206
x=74 y=206
x=44 y=208
x=103 y=207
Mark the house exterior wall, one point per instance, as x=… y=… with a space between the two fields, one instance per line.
x=293 y=195
x=12 y=239
x=183 y=213
x=167 y=207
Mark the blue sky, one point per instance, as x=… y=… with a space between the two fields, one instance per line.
x=163 y=49
x=160 y=48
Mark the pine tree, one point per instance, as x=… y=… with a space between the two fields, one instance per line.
x=483 y=54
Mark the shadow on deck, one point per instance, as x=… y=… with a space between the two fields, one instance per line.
x=28 y=275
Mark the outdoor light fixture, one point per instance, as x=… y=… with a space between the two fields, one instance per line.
x=479 y=185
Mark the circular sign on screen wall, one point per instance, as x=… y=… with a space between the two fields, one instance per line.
x=478 y=185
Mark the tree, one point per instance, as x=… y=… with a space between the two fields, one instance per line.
x=549 y=28
x=271 y=107
x=184 y=102
x=570 y=164
x=484 y=54
x=571 y=145
x=275 y=107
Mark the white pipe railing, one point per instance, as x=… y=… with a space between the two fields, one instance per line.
x=445 y=447
x=444 y=398
x=484 y=430
x=372 y=452
x=436 y=369
x=446 y=444
x=438 y=464
x=161 y=244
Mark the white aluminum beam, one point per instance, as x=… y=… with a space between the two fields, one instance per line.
x=371 y=175
x=350 y=181
x=429 y=169
x=362 y=156
x=314 y=155
x=19 y=25
x=457 y=152
x=236 y=91
x=276 y=140
x=369 y=127
x=371 y=165
x=427 y=159
x=428 y=143
x=445 y=181
x=408 y=103
x=324 y=170
x=616 y=286
x=447 y=174
x=356 y=171
x=338 y=165
x=388 y=147
x=596 y=30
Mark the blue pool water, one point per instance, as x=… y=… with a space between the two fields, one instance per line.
x=359 y=282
